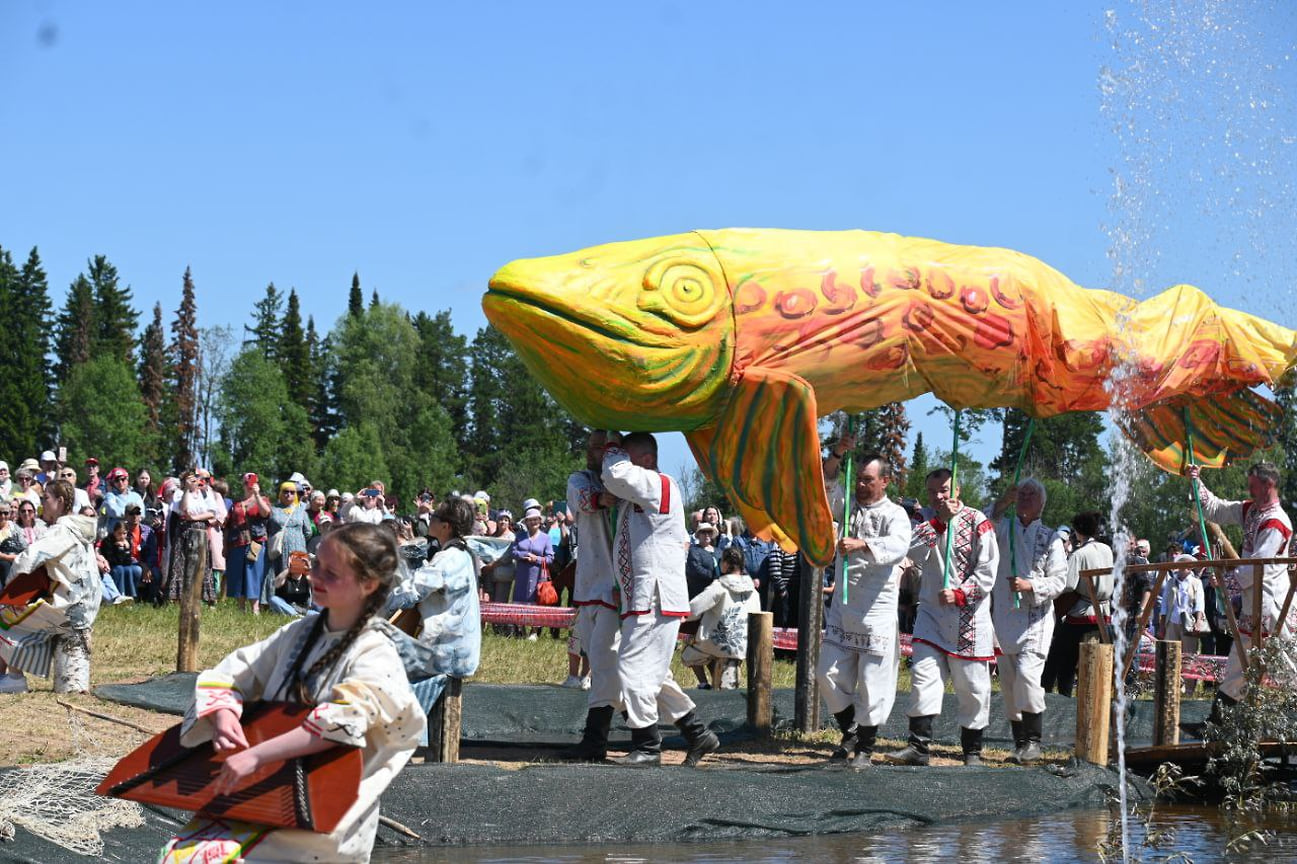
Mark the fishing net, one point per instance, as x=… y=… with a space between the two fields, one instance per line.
x=57 y=801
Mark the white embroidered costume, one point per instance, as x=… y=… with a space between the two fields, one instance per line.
x=598 y=621
x=364 y=700
x=954 y=641
x=649 y=559
x=858 y=658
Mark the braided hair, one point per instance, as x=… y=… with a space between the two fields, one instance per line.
x=372 y=555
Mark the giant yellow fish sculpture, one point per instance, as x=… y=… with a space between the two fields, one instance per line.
x=742 y=338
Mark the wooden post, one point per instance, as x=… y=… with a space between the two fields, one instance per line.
x=1093 y=701
x=1104 y=636
x=1258 y=583
x=444 y=723
x=191 y=603
x=761 y=661
x=809 y=626
x=1145 y=613
x=1166 y=694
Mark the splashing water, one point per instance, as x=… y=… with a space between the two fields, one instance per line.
x=1203 y=188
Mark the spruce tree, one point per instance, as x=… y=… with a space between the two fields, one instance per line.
x=74 y=329
x=183 y=377
x=115 y=318
x=323 y=410
x=152 y=372
x=441 y=369
x=894 y=427
x=355 y=300
x=27 y=387
x=919 y=468
x=293 y=353
x=264 y=332
x=373 y=299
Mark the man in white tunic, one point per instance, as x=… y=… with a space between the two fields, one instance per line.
x=858 y=658
x=1033 y=569
x=952 y=633
x=597 y=621
x=649 y=558
x=1266 y=532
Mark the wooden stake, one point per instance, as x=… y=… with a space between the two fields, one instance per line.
x=1166 y=694
x=761 y=662
x=110 y=718
x=191 y=604
x=444 y=723
x=1093 y=702
x=810 y=623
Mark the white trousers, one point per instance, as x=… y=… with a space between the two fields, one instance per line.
x=971 y=679
x=644 y=665
x=1020 y=683
x=599 y=630
x=866 y=681
x=1235 y=683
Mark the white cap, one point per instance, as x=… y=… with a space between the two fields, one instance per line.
x=532 y=513
x=332 y=493
x=48 y=456
x=348 y=496
x=530 y=503
x=1144 y=546
x=479 y=495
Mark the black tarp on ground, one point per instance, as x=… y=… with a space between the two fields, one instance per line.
x=499 y=714
x=549 y=804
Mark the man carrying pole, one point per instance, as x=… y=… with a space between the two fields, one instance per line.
x=1033 y=570
x=1266 y=531
x=858 y=658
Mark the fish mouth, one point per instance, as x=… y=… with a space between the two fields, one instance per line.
x=503 y=293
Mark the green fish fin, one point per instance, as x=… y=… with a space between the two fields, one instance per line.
x=1226 y=427
x=764 y=451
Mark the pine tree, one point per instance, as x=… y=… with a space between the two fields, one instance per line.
x=264 y=332
x=74 y=328
x=152 y=372
x=293 y=353
x=115 y=318
x=355 y=300
x=373 y=299
x=26 y=388
x=441 y=369
x=183 y=378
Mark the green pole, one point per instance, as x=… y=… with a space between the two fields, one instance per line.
x=1197 y=500
x=848 y=496
x=954 y=481
x=1013 y=529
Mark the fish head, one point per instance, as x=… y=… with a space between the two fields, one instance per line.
x=634 y=335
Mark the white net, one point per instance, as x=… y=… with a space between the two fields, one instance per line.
x=58 y=802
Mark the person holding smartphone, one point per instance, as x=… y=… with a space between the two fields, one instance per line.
x=370 y=509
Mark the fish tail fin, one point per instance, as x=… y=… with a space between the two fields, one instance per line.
x=1225 y=428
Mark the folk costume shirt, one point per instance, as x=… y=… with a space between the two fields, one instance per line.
x=650 y=543
x=865 y=622
x=962 y=629
x=445 y=590
x=1266 y=532
x=364 y=701
x=1090 y=555
x=1038 y=555
x=594 y=569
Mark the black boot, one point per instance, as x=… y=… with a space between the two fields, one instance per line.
x=645 y=749
x=917 y=751
x=700 y=739
x=1220 y=703
x=1032 y=728
x=971 y=742
x=1019 y=741
x=865 y=738
x=594 y=741
x=847 y=723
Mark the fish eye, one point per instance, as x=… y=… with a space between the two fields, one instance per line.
x=682 y=291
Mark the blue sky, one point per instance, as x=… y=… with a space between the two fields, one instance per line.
x=426 y=144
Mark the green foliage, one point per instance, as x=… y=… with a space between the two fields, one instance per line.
x=919 y=468
x=182 y=379
x=115 y=319
x=294 y=354
x=74 y=328
x=153 y=375
x=354 y=458
x=971 y=476
x=441 y=370
x=104 y=415
x=263 y=430
x=264 y=332
x=355 y=300
x=24 y=343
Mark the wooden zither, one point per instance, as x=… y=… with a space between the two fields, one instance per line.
x=311 y=793
x=26 y=589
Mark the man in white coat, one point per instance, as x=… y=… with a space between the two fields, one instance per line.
x=597 y=620
x=1266 y=533
x=649 y=550
x=858 y=657
x=1033 y=571
x=952 y=633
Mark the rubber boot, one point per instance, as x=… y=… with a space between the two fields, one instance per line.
x=917 y=751
x=865 y=738
x=1019 y=742
x=971 y=742
x=847 y=723
x=593 y=746
x=645 y=750
x=700 y=739
x=1032 y=729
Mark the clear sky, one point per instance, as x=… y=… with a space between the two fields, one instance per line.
x=424 y=145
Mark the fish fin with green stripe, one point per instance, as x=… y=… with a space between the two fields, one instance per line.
x=1226 y=427
x=764 y=451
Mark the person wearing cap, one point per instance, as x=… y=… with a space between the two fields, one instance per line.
x=28 y=489
x=117 y=497
x=1033 y=569
x=246 y=532
x=649 y=557
x=94 y=487
x=48 y=469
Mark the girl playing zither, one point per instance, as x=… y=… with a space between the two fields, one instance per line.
x=338 y=660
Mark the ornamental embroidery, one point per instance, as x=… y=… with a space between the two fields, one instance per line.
x=625 y=576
